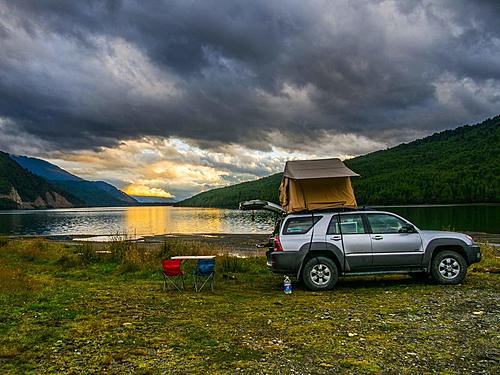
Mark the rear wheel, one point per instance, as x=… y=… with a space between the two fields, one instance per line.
x=320 y=273
x=448 y=267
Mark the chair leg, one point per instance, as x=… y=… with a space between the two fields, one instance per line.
x=173 y=281
x=208 y=279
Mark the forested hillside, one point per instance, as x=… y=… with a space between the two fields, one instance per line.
x=21 y=189
x=454 y=166
x=229 y=197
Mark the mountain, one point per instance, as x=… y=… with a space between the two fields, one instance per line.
x=454 y=166
x=92 y=193
x=44 y=169
x=20 y=188
x=116 y=193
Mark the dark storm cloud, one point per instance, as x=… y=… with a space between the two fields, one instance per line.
x=80 y=75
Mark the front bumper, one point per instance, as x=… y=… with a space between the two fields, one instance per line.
x=473 y=253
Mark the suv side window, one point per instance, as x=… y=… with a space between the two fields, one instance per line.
x=349 y=224
x=300 y=225
x=384 y=223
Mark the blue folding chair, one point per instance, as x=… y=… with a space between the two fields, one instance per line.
x=204 y=274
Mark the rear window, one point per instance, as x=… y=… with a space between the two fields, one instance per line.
x=300 y=225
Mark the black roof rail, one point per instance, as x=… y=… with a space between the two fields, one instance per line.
x=340 y=209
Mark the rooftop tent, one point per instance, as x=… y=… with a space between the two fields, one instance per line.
x=316 y=184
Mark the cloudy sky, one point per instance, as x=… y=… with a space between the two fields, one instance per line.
x=170 y=98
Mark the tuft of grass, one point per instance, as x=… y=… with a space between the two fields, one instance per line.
x=119 y=248
x=87 y=253
x=178 y=247
x=14 y=281
x=232 y=264
x=4 y=241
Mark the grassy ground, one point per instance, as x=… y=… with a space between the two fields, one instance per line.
x=66 y=308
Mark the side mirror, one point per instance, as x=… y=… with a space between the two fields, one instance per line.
x=407 y=228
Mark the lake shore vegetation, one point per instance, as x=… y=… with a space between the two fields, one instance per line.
x=81 y=307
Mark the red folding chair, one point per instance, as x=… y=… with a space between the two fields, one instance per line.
x=173 y=274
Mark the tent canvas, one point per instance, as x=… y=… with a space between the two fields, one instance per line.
x=316 y=184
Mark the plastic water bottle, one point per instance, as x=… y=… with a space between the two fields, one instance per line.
x=287 y=285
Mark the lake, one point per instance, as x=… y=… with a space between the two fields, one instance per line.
x=143 y=221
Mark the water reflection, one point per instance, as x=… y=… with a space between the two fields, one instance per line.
x=133 y=221
x=159 y=220
x=141 y=221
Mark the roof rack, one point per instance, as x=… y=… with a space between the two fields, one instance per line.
x=326 y=210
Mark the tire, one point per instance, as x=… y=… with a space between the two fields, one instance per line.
x=320 y=273
x=448 y=267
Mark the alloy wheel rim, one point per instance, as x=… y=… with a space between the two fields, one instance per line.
x=449 y=268
x=320 y=274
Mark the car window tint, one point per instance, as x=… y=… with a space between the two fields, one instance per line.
x=350 y=224
x=300 y=225
x=383 y=223
x=333 y=227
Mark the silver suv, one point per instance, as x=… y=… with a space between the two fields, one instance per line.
x=318 y=247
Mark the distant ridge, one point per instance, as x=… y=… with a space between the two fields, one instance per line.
x=45 y=169
x=153 y=200
x=20 y=188
x=461 y=165
x=91 y=193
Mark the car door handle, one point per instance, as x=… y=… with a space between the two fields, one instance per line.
x=377 y=238
x=335 y=238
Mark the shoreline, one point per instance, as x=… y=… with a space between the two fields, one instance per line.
x=416 y=205
x=238 y=242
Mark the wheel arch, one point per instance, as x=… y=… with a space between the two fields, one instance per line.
x=321 y=249
x=442 y=244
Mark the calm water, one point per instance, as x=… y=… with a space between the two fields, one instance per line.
x=142 y=221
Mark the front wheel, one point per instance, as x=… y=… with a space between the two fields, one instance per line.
x=320 y=273
x=448 y=267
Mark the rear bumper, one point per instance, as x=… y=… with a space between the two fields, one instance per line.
x=284 y=262
x=473 y=253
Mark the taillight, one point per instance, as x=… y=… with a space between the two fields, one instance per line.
x=277 y=244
